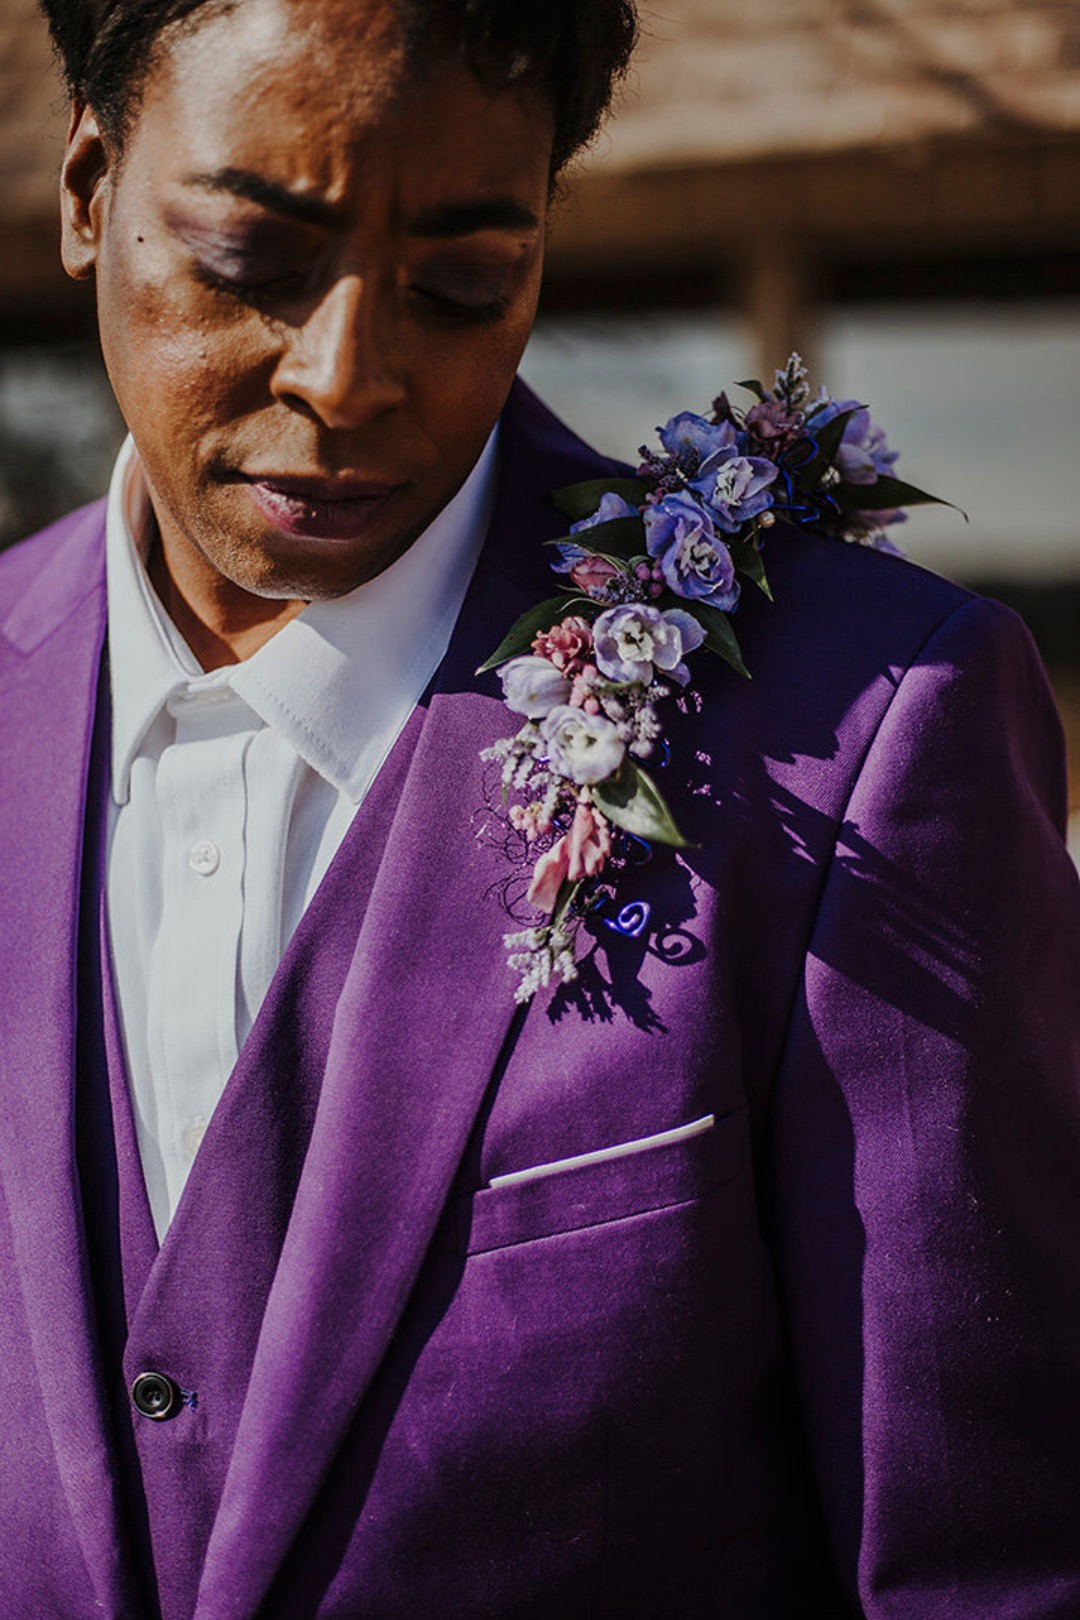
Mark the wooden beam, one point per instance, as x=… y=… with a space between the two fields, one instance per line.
x=989 y=196
x=778 y=300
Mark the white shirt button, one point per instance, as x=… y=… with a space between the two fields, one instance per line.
x=204 y=858
x=193 y=1136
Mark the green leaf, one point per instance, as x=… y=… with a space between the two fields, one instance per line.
x=519 y=638
x=886 y=493
x=581 y=500
x=568 y=893
x=633 y=802
x=749 y=562
x=752 y=386
x=620 y=537
x=827 y=440
x=719 y=636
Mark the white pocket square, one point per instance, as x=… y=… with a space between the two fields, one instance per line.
x=620 y=1150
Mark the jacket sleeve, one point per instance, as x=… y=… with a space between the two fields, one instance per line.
x=924 y=1151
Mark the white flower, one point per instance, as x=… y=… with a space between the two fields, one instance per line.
x=631 y=641
x=533 y=686
x=585 y=747
x=540 y=955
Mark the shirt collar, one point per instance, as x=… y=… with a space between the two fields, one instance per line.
x=336 y=682
x=148 y=659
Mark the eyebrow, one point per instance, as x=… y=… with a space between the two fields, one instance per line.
x=279 y=199
x=440 y=222
x=461 y=219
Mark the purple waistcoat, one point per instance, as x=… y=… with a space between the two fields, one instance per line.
x=247 y=1186
x=824 y=1353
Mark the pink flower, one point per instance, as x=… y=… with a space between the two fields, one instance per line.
x=580 y=853
x=593 y=574
x=589 y=841
x=566 y=644
x=528 y=819
x=548 y=876
x=581 y=692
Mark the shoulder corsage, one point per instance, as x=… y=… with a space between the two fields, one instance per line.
x=650 y=574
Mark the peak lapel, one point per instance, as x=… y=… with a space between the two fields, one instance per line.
x=424 y=1014
x=49 y=675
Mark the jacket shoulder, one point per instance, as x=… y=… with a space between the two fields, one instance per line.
x=23 y=560
x=846 y=630
x=843 y=591
x=45 y=575
x=841 y=608
x=843 y=618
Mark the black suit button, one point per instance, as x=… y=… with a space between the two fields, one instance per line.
x=155 y=1396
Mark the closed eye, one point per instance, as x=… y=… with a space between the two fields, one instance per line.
x=249 y=287
x=452 y=311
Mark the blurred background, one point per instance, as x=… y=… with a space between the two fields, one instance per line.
x=891 y=187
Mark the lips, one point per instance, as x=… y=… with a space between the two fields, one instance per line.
x=321 y=508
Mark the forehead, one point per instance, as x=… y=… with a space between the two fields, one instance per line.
x=316 y=95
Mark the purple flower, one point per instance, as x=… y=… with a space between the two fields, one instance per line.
x=689 y=433
x=878 y=519
x=871 y=526
x=586 y=748
x=879 y=541
x=632 y=642
x=533 y=686
x=611 y=507
x=864 y=455
x=771 y=426
x=735 y=487
x=723 y=410
x=694 y=561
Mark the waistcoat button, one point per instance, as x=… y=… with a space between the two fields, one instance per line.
x=155 y=1396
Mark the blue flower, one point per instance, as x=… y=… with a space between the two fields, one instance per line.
x=864 y=455
x=687 y=432
x=569 y=556
x=611 y=507
x=693 y=559
x=632 y=643
x=735 y=487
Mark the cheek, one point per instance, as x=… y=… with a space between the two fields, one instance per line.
x=459 y=386
x=174 y=365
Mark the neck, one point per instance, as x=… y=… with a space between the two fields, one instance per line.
x=219 y=627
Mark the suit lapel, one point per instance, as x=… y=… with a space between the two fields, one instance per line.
x=49 y=672
x=135 y=1223
x=423 y=1016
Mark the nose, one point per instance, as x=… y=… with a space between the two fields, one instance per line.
x=339 y=365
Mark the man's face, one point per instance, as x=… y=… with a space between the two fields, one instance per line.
x=315 y=281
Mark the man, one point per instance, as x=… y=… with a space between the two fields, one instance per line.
x=807 y=1339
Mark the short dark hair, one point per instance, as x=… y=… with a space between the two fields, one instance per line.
x=572 y=52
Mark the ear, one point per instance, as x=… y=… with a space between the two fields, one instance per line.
x=83 y=176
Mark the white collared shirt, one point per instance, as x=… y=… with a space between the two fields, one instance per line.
x=232 y=790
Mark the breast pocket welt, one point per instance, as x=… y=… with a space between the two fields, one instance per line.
x=609 y=1184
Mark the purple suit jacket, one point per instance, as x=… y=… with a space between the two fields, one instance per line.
x=822 y=1357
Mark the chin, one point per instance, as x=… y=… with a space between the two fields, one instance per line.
x=278 y=568
x=312 y=584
